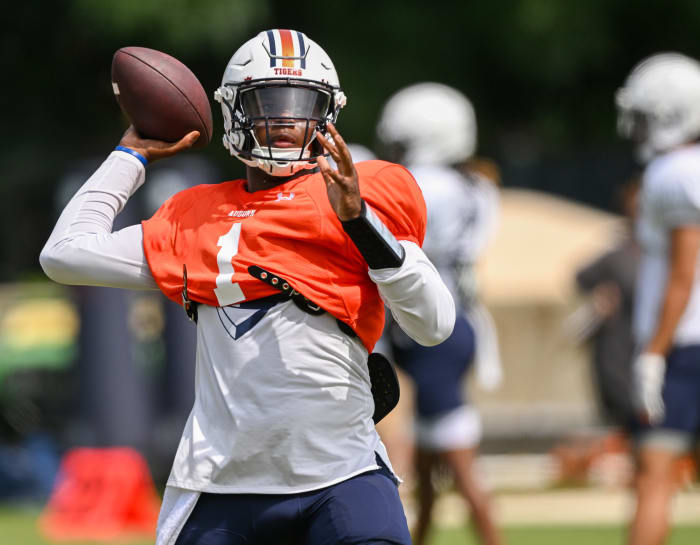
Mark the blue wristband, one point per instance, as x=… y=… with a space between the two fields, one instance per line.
x=134 y=153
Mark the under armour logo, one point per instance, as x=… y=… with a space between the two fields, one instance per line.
x=282 y=197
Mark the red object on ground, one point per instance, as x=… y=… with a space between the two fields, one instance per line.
x=101 y=494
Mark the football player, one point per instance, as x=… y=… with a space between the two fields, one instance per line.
x=285 y=274
x=431 y=128
x=659 y=109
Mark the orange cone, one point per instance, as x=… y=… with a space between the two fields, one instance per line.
x=101 y=494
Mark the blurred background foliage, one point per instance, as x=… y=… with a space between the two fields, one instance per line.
x=541 y=74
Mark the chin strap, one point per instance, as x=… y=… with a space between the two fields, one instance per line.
x=373 y=239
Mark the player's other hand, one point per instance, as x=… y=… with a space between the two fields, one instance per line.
x=648 y=372
x=153 y=150
x=342 y=184
x=489 y=374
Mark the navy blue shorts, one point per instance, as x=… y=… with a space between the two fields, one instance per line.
x=437 y=371
x=364 y=509
x=681 y=395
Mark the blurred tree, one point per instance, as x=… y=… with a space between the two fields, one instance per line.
x=57 y=100
x=541 y=73
x=175 y=25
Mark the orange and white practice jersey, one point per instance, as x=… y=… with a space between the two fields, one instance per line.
x=283 y=400
x=220 y=230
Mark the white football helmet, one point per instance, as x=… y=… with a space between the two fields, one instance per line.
x=279 y=79
x=659 y=105
x=430 y=123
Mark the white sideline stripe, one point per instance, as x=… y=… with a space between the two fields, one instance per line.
x=565 y=507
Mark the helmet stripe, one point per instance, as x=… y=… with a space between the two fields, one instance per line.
x=287 y=47
x=273 y=49
x=302 y=49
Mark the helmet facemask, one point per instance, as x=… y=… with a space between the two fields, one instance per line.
x=272 y=124
x=277 y=91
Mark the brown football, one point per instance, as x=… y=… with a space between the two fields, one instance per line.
x=161 y=97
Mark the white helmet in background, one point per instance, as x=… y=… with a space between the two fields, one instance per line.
x=430 y=123
x=279 y=77
x=659 y=105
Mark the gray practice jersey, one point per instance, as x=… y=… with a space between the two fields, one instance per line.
x=462 y=218
x=670 y=198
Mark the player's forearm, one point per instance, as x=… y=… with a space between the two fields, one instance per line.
x=82 y=248
x=95 y=205
x=418 y=298
x=685 y=246
x=675 y=300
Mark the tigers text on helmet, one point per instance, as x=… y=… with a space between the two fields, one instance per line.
x=429 y=123
x=277 y=90
x=659 y=105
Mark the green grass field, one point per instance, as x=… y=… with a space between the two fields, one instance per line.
x=18 y=527
x=563 y=535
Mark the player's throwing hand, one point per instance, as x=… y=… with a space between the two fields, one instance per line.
x=153 y=150
x=342 y=184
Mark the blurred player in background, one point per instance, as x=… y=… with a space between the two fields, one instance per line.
x=604 y=318
x=431 y=128
x=285 y=276
x=609 y=282
x=659 y=109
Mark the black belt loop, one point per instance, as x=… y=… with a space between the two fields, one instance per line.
x=345 y=328
x=190 y=306
x=287 y=292
x=304 y=303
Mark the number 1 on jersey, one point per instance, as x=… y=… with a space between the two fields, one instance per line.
x=227 y=292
